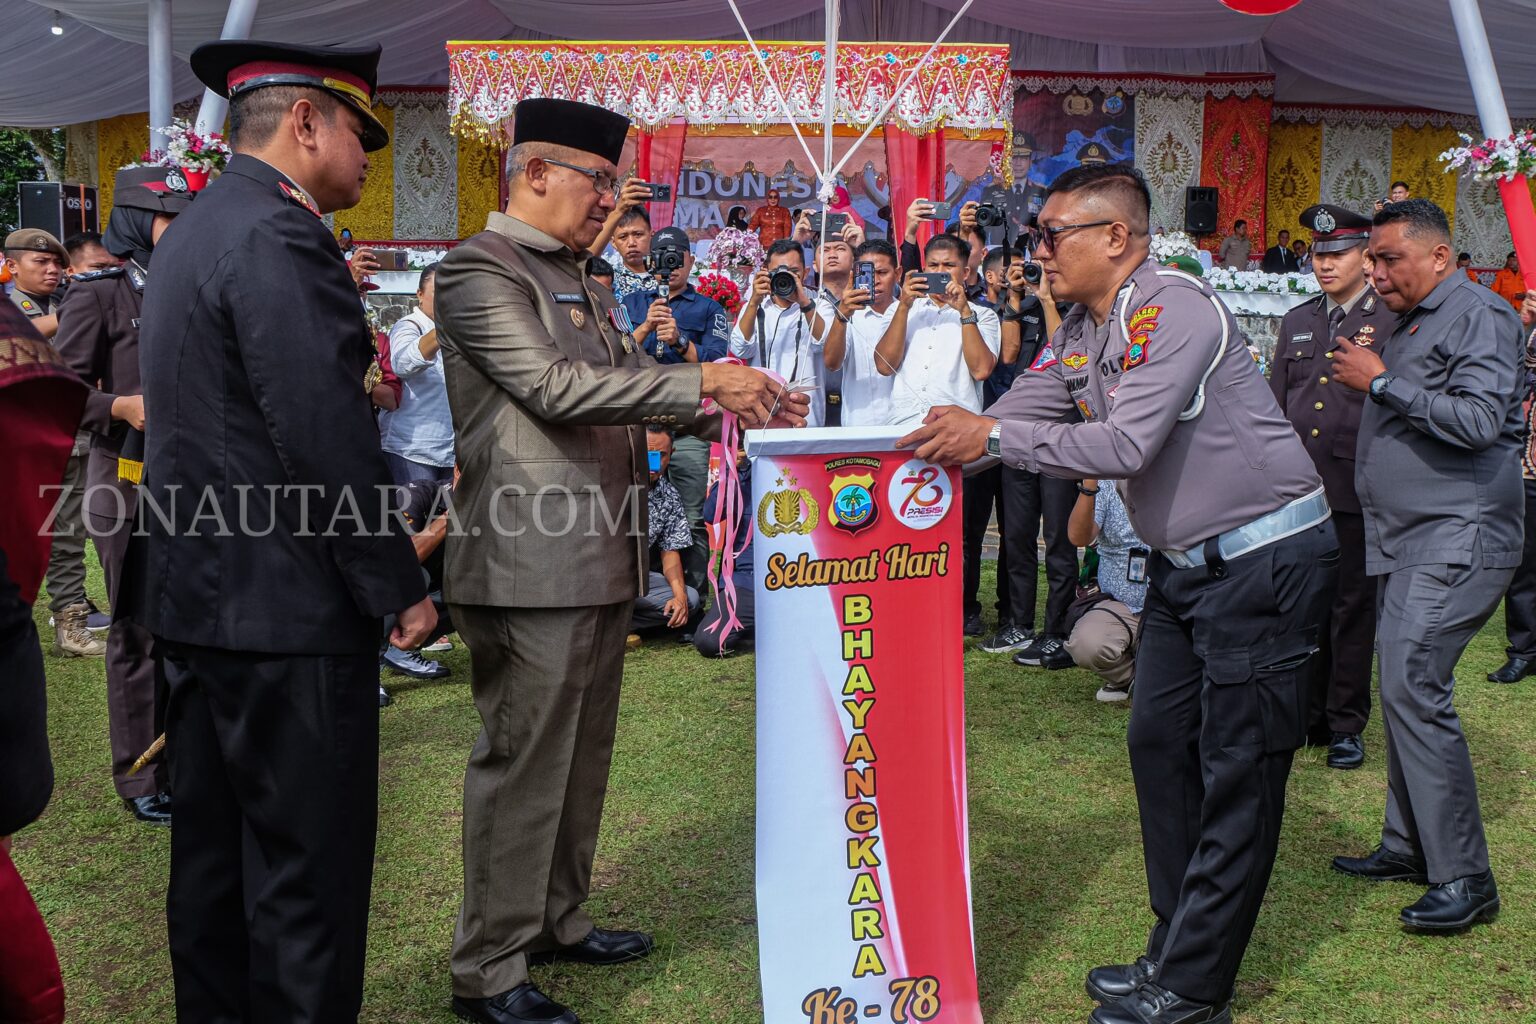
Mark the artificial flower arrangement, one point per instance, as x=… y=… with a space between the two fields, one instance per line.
x=722 y=289
x=1494 y=159
x=1174 y=243
x=733 y=248
x=196 y=154
x=1224 y=279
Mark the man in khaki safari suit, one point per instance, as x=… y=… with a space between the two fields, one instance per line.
x=550 y=399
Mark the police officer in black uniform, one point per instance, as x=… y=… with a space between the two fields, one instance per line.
x=1327 y=418
x=99 y=339
x=269 y=562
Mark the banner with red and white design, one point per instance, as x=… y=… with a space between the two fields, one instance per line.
x=863 y=866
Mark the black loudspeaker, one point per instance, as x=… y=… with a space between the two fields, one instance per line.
x=60 y=210
x=1200 y=210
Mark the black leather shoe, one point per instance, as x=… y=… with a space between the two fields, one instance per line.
x=1452 y=906
x=602 y=947
x=151 y=810
x=1153 y=1004
x=1346 y=751
x=1513 y=670
x=522 y=1005
x=1116 y=981
x=974 y=626
x=1383 y=865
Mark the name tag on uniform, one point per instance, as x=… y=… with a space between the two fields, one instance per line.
x=1305 y=336
x=569 y=297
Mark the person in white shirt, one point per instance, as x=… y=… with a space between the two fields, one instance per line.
x=781 y=330
x=417 y=438
x=858 y=323
x=939 y=348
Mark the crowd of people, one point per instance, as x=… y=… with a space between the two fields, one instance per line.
x=1247 y=544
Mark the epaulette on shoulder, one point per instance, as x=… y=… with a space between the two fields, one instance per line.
x=97 y=275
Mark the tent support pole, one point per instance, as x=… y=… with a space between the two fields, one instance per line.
x=237 y=25
x=160 y=71
x=1494 y=115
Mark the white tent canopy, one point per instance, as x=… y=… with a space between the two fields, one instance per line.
x=1402 y=53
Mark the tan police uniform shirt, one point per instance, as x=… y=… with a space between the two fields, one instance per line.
x=1131 y=378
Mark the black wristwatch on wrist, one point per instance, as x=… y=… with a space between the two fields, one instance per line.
x=1083 y=490
x=1379 y=385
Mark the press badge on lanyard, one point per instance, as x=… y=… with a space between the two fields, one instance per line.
x=1136 y=565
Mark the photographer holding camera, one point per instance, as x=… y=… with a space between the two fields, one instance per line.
x=680 y=326
x=779 y=328
x=859 y=321
x=938 y=347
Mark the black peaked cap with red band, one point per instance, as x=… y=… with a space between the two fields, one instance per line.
x=580 y=126
x=231 y=67
x=156 y=189
x=1334 y=228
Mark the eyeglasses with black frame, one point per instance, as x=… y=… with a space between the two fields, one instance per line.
x=605 y=183
x=1048 y=235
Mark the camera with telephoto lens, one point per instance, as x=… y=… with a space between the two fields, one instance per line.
x=783 y=284
x=990 y=215
x=665 y=258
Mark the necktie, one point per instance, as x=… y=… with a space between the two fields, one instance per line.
x=1334 y=320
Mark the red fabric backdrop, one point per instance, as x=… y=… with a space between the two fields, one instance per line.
x=658 y=158
x=1235 y=159
x=915 y=168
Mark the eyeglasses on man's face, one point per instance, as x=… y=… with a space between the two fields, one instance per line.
x=1049 y=235
x=605 y=183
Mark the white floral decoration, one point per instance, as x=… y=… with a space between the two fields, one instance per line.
x=1175 y=243
x=1494 y=159
x=1224 y=279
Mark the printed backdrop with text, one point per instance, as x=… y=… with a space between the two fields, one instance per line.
x=863 y=866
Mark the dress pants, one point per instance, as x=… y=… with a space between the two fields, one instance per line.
x=1222 y=672
x=983 y=492
x=1520 y=600
x=274 y=760
x=546 y=683
x=1104 y=642
x=1029 y=500
x=1341 y=689
x=649 y=613
x=1427 y=614
x=135 y=682
x=689 y=473
x=66 y=555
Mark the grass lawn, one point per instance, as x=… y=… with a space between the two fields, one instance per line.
x=1057 y=869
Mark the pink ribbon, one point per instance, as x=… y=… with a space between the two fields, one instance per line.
x=728 y=514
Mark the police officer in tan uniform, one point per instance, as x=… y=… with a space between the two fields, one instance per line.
x=37 y=261
x=1214 y=478
x=550 y=396
x=1327 y=419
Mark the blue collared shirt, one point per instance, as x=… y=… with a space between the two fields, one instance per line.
x=700 y=320
x=422 y=428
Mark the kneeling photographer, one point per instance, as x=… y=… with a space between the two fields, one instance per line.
x=672 y=321
x=779 y=328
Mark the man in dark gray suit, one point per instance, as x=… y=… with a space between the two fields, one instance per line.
x=1438 y=473
x=550 y=396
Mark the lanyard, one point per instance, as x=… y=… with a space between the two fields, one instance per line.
x=766 y=348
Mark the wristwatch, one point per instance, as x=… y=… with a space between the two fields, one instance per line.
x=995 y=440
x=807 y=307
x=971 y=319
x=1379 y=385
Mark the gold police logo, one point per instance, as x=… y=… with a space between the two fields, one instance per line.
x=790 y=509
x=578 y=318
x=853 y=505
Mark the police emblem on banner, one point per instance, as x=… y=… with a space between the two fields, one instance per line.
x=853 y=505
x=789 y=509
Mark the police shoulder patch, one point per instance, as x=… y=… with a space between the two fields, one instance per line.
x=1138 y=335
x=1045 y=360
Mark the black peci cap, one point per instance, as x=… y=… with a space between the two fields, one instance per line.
x=231 y=67
x=568 y=123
